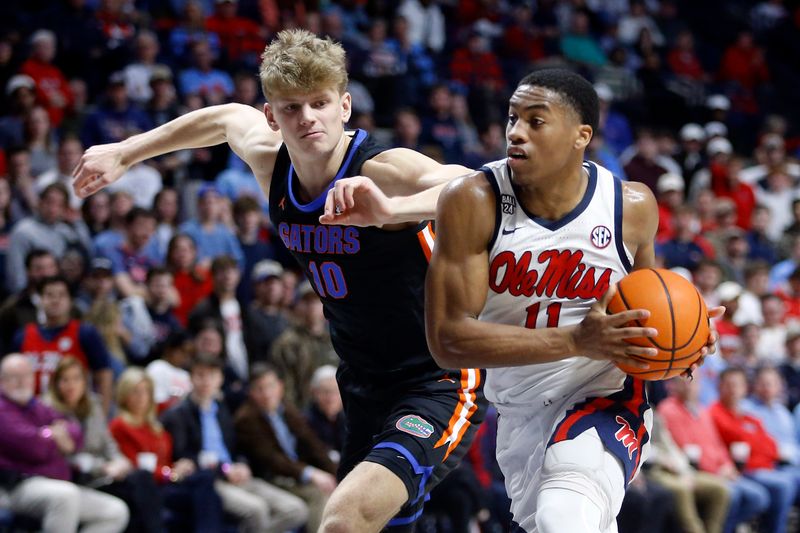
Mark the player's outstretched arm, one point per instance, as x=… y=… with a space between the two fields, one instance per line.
x=244 y=128
x=456 y=289
x=398 y=186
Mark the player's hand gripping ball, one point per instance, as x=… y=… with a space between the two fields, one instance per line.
x=677 y=311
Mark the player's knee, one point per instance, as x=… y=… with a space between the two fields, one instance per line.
x=559 y=509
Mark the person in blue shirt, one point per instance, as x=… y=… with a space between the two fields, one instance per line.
x=213 y=238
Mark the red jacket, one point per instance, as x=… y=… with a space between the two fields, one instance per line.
x=735 y=427
x=135 y=439
x=50 y=84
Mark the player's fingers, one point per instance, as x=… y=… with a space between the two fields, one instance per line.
x=717 y=311
x=635 y=332
x=338 y=197
x=329 y=202
x=632 y=315
x=78 y=169
x=634 y=361
x=348 y=196
x=602 y=304
x=641 y=351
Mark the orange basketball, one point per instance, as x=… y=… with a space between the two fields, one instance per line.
x=677 y=311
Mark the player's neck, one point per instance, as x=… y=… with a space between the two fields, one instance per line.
x=553 y=197
x=314 y=174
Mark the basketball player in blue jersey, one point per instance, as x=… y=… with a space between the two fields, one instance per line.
x=409 y=422
x=527 y=250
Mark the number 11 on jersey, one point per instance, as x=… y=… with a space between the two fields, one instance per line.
x=553 y=313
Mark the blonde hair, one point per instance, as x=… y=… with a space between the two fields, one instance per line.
x=105 y=316
x=84 y=407
x=298 y=61
x=129 y=379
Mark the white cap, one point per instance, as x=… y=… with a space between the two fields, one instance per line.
x=683 y=272
x=718 y=101
x=693 y=132
x=719 y=145
x=43 y=35
x=728 y=291
x=716 y=129
x=604 y=92
x=670 y=182
x=265 y=269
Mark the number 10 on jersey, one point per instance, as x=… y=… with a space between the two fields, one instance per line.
x=328 y=279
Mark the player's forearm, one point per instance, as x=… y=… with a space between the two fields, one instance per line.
x=420 y=206
x=476 y=344
x=197 y=129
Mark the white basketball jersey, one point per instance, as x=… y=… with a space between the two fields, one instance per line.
x=547 y=274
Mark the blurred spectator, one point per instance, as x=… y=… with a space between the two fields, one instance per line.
x=790 y=370
x=96 y=212
x=280 y=445
x=241 y=38
x=209 y=339
x=23 y=190
x=683 y=60
x=304 y=347
x=614 y=125
x=694 y=432
x=706 y=276
x=726 y=183
x=635 y=21
x=647 y=508
x=21 y=98
x=52 y=89
x=619 y=77
x=767 y=404
x=222 y=306
x=719 y=151
x=744 y=64
x=60 y=335
x=579 y=46
x=756 y=286
x=691 y=156
x=791 y=231
x=23 y=307
x=68 y=156
x=701 y=498
x=105 y=315
x=439 y=128
x=35 y=442
x=166 y=207
x=116 y=118
x=212 y=237
x=790 y=295
x=762 y=248
x=48 y=230
x=771 y=157
x=99 y=463
x=40 y=141
x=782 y=270
x=249 y=218
x=267 y=314
x=142 y=439
x=477 y=67
x=325 y=414
x=138 y=73
x=202 y=79
x=135 y=255
x=492 y=146
x=644 y=163
x=669 y=190
x=171 y=381
x=425 y=23
x=161 y=298
x=191 y=280
x=772 y=341
x=420 y=72
x=704 y=203
x=734 y=426
x=407 y=129
x=687 y=247
x=734 y=258
x=202 y=432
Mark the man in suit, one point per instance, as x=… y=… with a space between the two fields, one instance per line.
x=202 y=431
x=281 y=446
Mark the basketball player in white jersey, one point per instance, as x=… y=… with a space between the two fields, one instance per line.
x=527 y=249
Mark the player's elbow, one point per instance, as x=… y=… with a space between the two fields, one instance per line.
x=438 y=342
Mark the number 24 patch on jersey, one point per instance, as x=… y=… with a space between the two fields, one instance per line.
x=415 y=425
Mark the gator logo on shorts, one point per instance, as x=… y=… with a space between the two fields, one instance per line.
x=416 y=426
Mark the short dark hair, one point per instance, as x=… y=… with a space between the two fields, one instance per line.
x=732 y=370
x=35 y=254
x=138 y=212
x=58 y=187
x=573 y=88
x=259 y=370
x=245 y=204
x=157 y=271
x=206 y=360
x=221 y=263
x=53 y=280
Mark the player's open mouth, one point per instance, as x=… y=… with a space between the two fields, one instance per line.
x=513 y=154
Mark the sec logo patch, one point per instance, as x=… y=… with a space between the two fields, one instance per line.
x=601 y=236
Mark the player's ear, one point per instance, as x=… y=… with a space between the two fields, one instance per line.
x=583 y=137
x=273 y=124
x=347 y=107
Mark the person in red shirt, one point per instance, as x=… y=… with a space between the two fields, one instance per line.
x=683 y=61
x=692 y=430
x=475 y=65
x=745 y=431
x=143 y=440
x=192 y=281
x=242 y=39
x=52 y=88
x=744 y=62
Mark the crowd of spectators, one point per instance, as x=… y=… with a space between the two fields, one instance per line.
x=176 y=367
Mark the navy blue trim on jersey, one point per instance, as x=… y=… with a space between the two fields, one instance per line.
x=423 y=471
x=618 y=225
x=490 y=177
x=554 y=225
x=319 y=201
